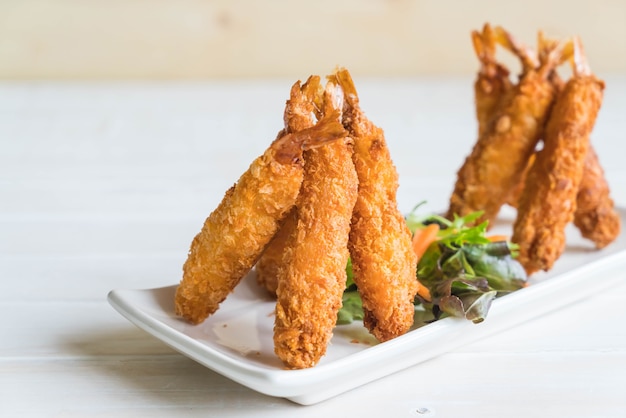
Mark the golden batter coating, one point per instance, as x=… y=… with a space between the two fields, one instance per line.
x=595 y=214
x=300 y=113
x=310 y=289
x=236 y=232
x=548 y=201
x=499 y=157
x=380 y=243
x=271 y=263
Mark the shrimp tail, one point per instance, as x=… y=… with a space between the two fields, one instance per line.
x=343 y=78
x=288 y=148
x=492 y=83
x=526 y=55
x=380 y=243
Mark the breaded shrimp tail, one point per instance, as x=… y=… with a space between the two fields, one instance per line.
x=300 y=113
x=311 y=287
x=548 y=201
x=380 y=243
x=234 y=235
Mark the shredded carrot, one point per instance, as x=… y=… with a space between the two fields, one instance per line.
x=498 y=238
x=423 y=291
x=423 y=238
x=421 y=241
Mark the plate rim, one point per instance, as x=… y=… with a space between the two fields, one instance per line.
x=297 y=385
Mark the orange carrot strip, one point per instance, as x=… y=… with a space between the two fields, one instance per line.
x=421 y=241
x=423 y=291
x=423 y=238
x=497 y=238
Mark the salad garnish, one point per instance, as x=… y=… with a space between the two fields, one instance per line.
x=460 y=269
x=352 y=309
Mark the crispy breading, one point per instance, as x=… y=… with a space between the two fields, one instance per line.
x=380 y=243
x=595 y=214
x=301 y=110
x=500 y=155
x=549 y=197
x=236 y=232
x=311 y=286
x=271 y=263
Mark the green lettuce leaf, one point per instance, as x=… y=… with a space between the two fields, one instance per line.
x=463 y=270
x=494 y=262
x=352 y=308
x=352 y=305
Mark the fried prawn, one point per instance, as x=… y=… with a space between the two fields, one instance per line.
x=380 y=243
x=548 y=201
x=499 y=157
x=301 y=111
x=236 y=232
x=595 y=214
x=310 y=288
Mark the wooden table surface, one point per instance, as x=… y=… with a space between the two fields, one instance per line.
x=103 y=186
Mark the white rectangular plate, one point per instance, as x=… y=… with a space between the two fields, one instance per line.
x=237 y=340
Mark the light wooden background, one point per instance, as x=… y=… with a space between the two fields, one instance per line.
x=192 y=39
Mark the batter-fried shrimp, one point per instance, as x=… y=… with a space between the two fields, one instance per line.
x=548 y=201
x=235 y=233
x=595 y=214
x=311 y=286
x=492 y=82
x=380 y=243
x=500 y=155
x=301 y=111
x=545 y=46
